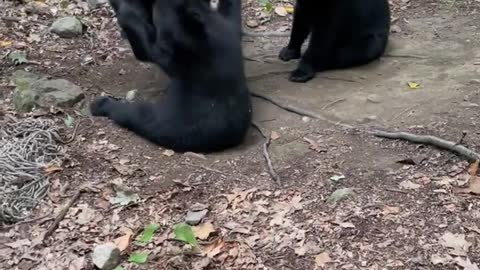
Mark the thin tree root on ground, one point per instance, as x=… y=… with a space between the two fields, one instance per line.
x=430 y=140
x=299 y=111
x=266 y=154
x=265 y=34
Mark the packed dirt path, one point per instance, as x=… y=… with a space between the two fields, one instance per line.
x=399 y=206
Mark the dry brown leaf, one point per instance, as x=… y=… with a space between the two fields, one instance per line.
x=473 y=186
x=390 y=210
x=201 y=264
x=466 y=263
x=456 y=242
x=473 y=170
x=274 y=135
x=122 y=242
x=203 y=231
x=314 y=145
x=281 y=11
x=214 y=248
x=322 y=259
x=407 y=184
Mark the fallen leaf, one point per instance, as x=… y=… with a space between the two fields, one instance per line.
x=289 y=8
x=281 y=11
x=124 y=198
x=322 y=259
x=413 y=85
x=146 y=236
x=456 y=242
x=473 y=186
x=407 y=184
x=440 y=259
x=314 y=145
x=466 y=263
x=19 y=243
x=203 y=231
x=274 y=135
x=473 y=169
x=388 y=210
x=138 y=257
x=339 y=195
x=122 y=242
x=214 y=248
x=6 y=43
x=183 y=232
x=201 y=264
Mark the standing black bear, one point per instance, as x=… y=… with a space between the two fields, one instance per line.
x=344 y=33
x=207 y=106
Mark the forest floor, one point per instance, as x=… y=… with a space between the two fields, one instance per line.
x=402 y=213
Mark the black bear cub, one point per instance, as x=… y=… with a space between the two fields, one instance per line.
x=343 y=34
x=207 y=106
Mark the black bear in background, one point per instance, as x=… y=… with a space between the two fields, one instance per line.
x=207 y=106
x=142 y=9
x=343 y=34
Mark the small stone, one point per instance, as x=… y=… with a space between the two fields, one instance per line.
x=396 y=29
x=131 y=95
x=67 y=27
x=306 y=119
x=195 y=217
x=106 y=256
x=252 y=23
x=373 y=98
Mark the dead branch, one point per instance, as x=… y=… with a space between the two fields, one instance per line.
x=61 y=215
x=266 y=154
x=430 y=140
x=333 y=103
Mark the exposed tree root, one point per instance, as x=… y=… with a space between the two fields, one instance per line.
x=430 y=140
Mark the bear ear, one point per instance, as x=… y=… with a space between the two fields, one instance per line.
x=214 y=4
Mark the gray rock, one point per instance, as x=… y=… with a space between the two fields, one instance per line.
x=195 y=217
x=106 y=256
x=96 y=3
x=67 y=27
x=37 y=90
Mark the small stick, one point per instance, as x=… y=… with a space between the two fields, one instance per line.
x=430 y=140
x=62 y=214
x=396 y=190
x=404 y=111
x=266 y=154
x=333 y=103
x=299 y=111
x=265 y=34
x=404 y=56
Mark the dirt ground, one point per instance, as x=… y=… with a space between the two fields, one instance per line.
x=400 y=216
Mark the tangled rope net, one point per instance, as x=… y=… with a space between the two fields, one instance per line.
x=27 y=147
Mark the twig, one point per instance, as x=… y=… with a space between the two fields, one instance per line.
x=266 y=154
x=404 y=56
x=430 y=140
x=404 y=111
x=62 y=214
x=270 y=73
x=299 y=111
x=333 y=103
x=396 y=190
